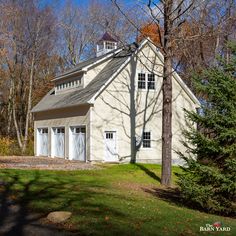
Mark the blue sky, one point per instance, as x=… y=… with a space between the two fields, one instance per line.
x=60 y=3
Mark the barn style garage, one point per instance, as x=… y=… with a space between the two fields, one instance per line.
x=98 y=110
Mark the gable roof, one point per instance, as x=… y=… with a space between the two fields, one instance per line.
x=87 y=95
x=83 y=66
x=83 y=96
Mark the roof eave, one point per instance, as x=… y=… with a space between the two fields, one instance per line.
x=59 y=108
x=63 y=76
x=86 y=68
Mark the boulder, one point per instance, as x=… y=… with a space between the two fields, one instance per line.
x=59 y=216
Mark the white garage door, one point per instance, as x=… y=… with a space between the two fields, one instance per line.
x=77 y=143
x=111 y=146
x=58 y=144
x=42 y=142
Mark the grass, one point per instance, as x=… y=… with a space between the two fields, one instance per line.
x=114 y=200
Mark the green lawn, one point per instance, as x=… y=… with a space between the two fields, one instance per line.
x=113 y=200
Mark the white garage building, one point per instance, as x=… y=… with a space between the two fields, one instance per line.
x=96 y=110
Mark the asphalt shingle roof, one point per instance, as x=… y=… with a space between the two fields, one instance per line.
x=83 y=64
x=82 y=96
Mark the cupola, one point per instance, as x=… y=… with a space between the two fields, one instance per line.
x=106 y=44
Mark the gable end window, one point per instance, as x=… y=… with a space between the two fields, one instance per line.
x=146 y=139
x=146 y=81
x=151 y=81
x=141 y=81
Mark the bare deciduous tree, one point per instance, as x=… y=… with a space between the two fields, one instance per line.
x=28 y=36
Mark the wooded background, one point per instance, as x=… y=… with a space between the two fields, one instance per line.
x=39 y=40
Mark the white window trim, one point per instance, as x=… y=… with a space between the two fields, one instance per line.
x=151 y=142
x=146 y=82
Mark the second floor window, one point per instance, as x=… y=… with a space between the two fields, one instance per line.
x=141 y=81
x=146 y=81
x=151 y=81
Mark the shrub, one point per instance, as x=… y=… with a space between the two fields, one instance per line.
x=9 y=147
x=5 y=146
x=208 y=180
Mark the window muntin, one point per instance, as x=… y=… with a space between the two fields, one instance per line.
x=60 y=130
x=79 y=130
x=141 y=81
x=146 y=139
x=146 y=81
x=43 y=130
x=109 y=135
x=151 y=81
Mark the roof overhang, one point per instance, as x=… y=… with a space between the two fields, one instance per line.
x=86 y=68
x=63 y=76
x=61 y=108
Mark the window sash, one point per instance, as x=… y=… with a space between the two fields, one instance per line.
x=141 y=81
x=110 y=45
x=146 y=139
x=151 y=81
x=146 y=81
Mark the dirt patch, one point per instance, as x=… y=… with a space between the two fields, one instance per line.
x=42 y=163
x=170 y=194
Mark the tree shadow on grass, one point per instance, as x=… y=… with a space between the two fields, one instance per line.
x=149 y=172
x=171 y=195
x=18 y=194
x=16 y=218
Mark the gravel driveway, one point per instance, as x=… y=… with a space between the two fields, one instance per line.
x=42 y=163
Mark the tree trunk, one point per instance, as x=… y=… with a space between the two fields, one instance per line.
x=167 y=98
x=9 y=108
x=29 y=104
x=15 y=122
x=216 y=49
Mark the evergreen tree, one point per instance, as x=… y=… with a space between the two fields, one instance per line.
x=208 y=180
